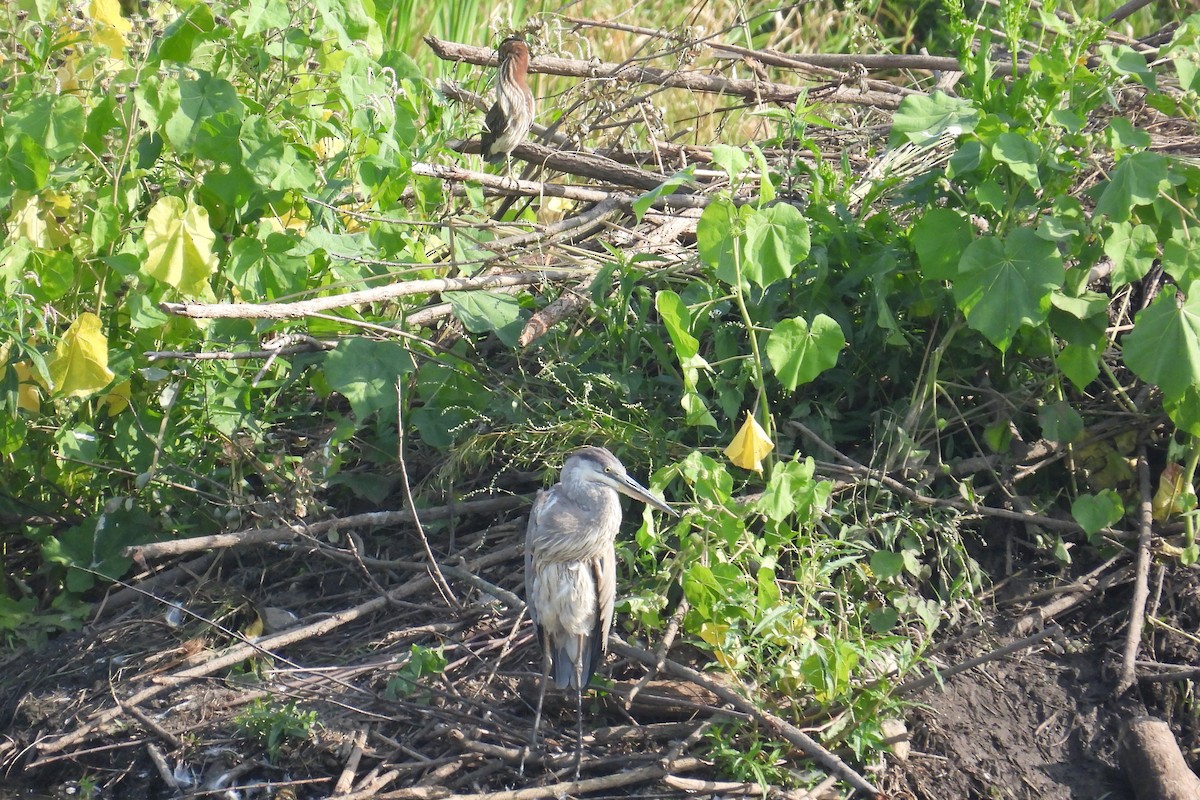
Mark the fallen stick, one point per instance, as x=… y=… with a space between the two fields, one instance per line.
x=691 y=80
x=302 y=308
x=941 y=674
x=565 y=789
x=283 y=534
x=1141 y=578
x=532 y=152
x=1072 y=595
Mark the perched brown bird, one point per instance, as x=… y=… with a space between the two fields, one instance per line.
x=511 y=116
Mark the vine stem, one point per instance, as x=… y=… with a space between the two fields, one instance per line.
x=759 y=381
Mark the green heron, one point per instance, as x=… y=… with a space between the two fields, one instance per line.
x=508 y=121
x=571 y=570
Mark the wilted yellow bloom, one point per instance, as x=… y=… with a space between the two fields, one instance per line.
x=750 y=445
x=1174 y=495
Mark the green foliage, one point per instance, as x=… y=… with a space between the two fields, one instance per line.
x=139 y=168
x=271 y=724
x=422 y=662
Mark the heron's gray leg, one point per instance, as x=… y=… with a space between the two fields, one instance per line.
x=579 y=710
x=537 y=714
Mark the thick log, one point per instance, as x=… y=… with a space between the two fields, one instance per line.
x=1153 y=764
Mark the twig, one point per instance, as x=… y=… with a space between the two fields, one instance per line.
x=565 y=789
x=161 y=765
x=153 y=726
x=439 y=580
x=314 y=529
x=312 y=346
x=794 y=735
x=706 y=788
x=1141 y=577
x=757 y=91
x=378 y=294
x=1000 y=652
x=1170 y=676
x=346 y=780
x=1072 y=595
x=173 y=576
x=566 y=162
x=1126 y=10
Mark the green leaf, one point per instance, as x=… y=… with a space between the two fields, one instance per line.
x=719 y=236
x=262 y=15
x=106 y=224
x=1136 y=181
x=923 y=119
x=199 y=98
x=1164 y=346
x=776 y=240
x=799 y=353
x=1004 y=284
x=731 y=159
x=940 y=236
x=266 y=270
x=678 y=320
x=27 y=164
x=272 y=161
x=98 y=545
x=1060 y=422
x=1181 y=260
x=887 y=565
x=1185 y=411
x=1119 y=134
x=180 y=37
x=766 y=189
x=365 y=372
x=485 y=312
x=793 y=492
x=643 y=203
x=1080 y=363
x=1128 y=61
x=1132 y=250
x=219 y=138
x=1021 y=156
x=1095 y=512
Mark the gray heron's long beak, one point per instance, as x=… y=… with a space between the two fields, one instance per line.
x=631 y=488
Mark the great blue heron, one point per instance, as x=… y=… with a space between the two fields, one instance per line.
x=571 y=570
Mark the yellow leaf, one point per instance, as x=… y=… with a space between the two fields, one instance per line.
x=110 y=27
x=750 y=446
x=254 y=628
x=713 y=633
x=117 y=400
x=34 y=222
x=179 y=245
x=27 y=388
x=1174 y=495
x=79 y=365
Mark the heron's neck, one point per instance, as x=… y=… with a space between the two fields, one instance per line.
x=592 y=497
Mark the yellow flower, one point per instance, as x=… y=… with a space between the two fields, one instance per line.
x=750 y=445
